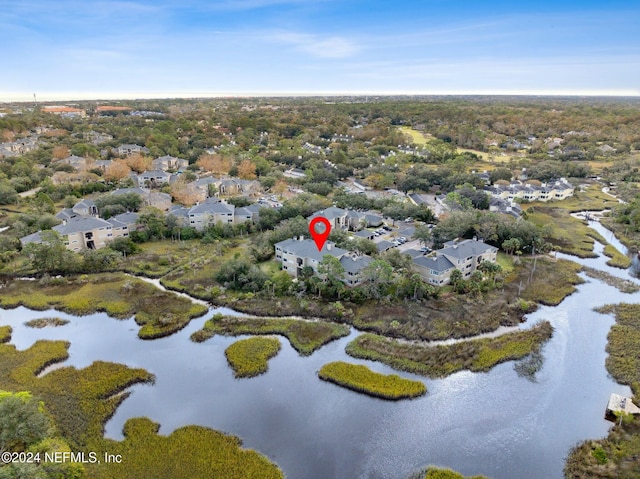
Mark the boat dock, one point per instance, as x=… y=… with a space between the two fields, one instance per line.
x=619 y=403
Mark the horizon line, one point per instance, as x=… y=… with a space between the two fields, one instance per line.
x=21 y=97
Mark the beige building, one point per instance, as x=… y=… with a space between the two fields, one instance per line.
x=558 y=190
x=298 y=253
x=79 y=233
x=464 y=256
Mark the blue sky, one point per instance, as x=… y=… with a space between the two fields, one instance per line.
x=68 y=49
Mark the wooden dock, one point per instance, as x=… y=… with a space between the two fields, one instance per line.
x=619 y=403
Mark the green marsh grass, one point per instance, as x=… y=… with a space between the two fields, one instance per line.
x=250 y=357
x=45 y=322
x=439 y=473
x=158 y=313
x=191 y=452
x=615 y=456
x=623 y=285
x=5 y=334
x=443 y=360
x=552 y=281
x=361 y=379
x=618 y=260
x=304 y=336
x=80 y=401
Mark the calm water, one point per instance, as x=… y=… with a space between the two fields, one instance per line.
x=495 y=423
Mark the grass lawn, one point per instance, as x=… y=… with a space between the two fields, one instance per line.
x=416 y=137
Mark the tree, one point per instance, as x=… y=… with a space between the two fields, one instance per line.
x=511 y=246
x=138 y=162
x=152 y=219
x=51 y=255
x=331 y=271
x=24 y=426
x=22 y=421
x=8 y=194
x=376 y=277
x=489 y=269
x=60 y=152
x=185 y=193
x=116 y=171
x=247 y=170
x=423 y=235
x=217 y=164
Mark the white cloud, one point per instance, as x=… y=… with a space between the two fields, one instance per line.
x=318 y=46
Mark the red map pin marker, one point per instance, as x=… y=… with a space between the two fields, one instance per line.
x=320 y=238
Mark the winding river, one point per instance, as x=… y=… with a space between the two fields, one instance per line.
x=496 y=423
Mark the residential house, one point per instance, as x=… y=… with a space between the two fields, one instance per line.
x=606 y=149
x=336 y=216
x=129 y=149
x=555 y=190
x=464 y=256
x=77 y=162
x=123 y=224
x=156 y=199
x=97 y=138
x=353 y=264
x=159 y=200
x=85 y=207
x=242 y=215
x=295 y=173
x=79 y=233
x=168 y=162
x=102 y=164
x=153 y=178
x=506 y=207
x=210 y=186
x=297 y=253
x=210 y=212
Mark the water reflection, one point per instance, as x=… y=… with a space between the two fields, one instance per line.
x=495 y=423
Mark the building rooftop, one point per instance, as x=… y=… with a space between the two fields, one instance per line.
x=80 y=224
x=307 y=248
x=464 y=249
x=437 y=262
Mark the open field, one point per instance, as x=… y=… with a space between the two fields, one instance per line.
x=417 y=137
